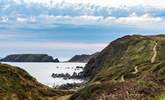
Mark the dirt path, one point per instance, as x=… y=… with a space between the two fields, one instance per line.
x=155 y=53
x=136 y=70
x=122 y=78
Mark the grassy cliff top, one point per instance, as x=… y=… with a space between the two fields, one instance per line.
x=17 y=84
x=132 y=67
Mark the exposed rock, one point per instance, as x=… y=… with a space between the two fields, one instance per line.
x=29 y=58
x=68 y=76
x=83 y=58
x=79 y=67
x=62 y=75
x=56 y=60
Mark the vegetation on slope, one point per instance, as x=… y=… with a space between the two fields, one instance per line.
x=17 y=84
x=131 y=67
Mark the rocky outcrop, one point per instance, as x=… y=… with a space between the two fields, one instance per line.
x=17 y=84
x=68 y=76
x=129 y=68
x=56 y=60
x=83 y=58
x=29 y=58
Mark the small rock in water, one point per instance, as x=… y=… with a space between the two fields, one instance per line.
x=79 y=67
x=67 y=76
x=62 y=75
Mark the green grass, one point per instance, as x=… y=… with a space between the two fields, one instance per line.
x=120 y=58
x=14 y=80
x=161 y=97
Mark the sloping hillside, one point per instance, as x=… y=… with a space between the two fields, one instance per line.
x=17 y=84
x=129 y=68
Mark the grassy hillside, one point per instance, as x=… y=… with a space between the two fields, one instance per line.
x=17 y=84
x=129 y=68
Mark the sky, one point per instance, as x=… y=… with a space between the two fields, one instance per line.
x=64 y=28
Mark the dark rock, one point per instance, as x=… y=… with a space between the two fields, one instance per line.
x=29 y=58
x=83 y=58
x=68 y=76
x=79 y=67
x=74 y=74
x=62 y=75
x=56 y=60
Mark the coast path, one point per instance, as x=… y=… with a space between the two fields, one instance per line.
x=136 y=70
x=155 y=53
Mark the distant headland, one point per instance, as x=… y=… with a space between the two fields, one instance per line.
x=29 y=58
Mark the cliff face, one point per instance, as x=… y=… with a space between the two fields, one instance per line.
x=17 y=84
x=29 y=58
x=83 y=58
x=131 y=67
x=125 y=54
x=80 y=58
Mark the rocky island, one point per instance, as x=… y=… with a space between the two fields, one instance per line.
x=83 y=58
x=29 y=58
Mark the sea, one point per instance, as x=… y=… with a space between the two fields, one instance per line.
x=42 y=71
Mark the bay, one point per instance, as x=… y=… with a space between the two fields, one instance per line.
x=42 y=71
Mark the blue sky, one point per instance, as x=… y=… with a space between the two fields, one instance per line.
x=63 y=28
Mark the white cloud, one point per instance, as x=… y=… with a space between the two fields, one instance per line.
x=52 y=45
x=133 y=19
x=21 y=19
x=105 y=3
x=47 y=13
x=83 y=7
x=4 y=19
x=139 y=20
x=49 y=21
x=18 y=1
